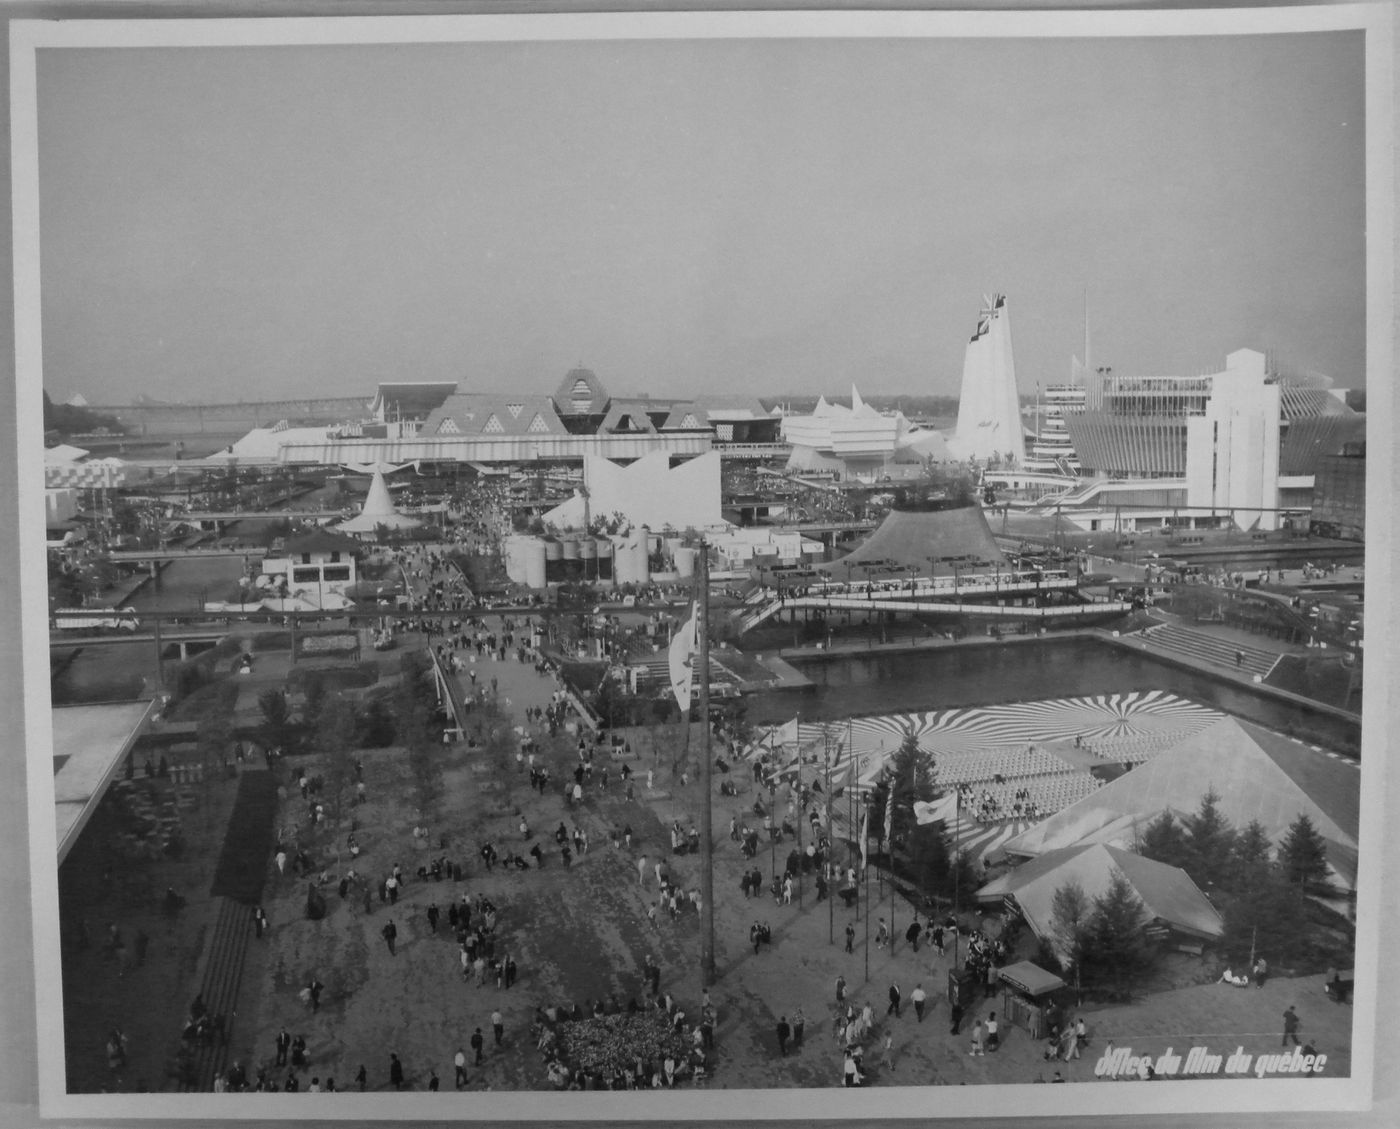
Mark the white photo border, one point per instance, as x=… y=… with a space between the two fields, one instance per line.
x=1186 y=1097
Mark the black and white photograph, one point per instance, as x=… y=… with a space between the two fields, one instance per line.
x=739 y=556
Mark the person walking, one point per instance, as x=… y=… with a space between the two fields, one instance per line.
x=432 y=1079
x=362 y=1077
x=887 y=1060
x=893 y=1009
x=977 y=1045
x=799 y=1023
x=642 y=871
x=913 y=933
x=433 y=914
x=284 y=1044
x=841 y=989
x=459 y=1066
x=478 y=1042
x=993 y=1038
x=1291 y=1023
x=919 y=996
x=390 y=933
x=784 y=1033
x=498 y=1026
x=956 y=1015
x=850 y=937
x=395 y=1072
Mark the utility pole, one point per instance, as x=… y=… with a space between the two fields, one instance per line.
x=707 y=869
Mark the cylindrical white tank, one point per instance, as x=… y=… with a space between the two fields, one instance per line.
x=603 y=548
x=515 y=559
x=684 y=556
x=534 y=556
x=569 y=549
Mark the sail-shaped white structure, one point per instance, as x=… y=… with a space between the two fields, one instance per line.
x=989 y=407
x=378 y=510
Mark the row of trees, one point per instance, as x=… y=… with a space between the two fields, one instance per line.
x=1261 y=890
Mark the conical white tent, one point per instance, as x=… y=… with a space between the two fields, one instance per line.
x=378 y=510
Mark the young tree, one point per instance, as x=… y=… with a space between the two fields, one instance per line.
x=1210 y=842
x=1164 y=841
x=1253 y=857
x=1070 y=911
x=335 y=738
x=1116 y=952
x=1303 y=853
x=276 y=714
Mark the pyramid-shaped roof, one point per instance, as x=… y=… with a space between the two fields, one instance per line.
x=908 y=538
x=378 y=510
x=1226 y=758
x=1167 y=892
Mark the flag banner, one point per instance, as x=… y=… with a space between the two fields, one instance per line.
x=682 y=656
x=889 y=818
x=931 y=811
x=865 y=838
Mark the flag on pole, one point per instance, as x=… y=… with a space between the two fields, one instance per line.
x=682 y=660
x=889 y=817
x=864 y=837
x=926 y=812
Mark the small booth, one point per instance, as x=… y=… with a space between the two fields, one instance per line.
x=1028 y=996
x=962 y=986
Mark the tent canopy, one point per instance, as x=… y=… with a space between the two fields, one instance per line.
x=1225 y=757
x=1031 y=979
x=931 y=542
x=1166 y=892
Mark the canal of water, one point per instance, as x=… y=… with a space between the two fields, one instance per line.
x=847 y=686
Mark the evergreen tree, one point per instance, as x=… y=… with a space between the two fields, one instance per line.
x=1210 y=843
x=1303 y=853
x=1163 y=841
x=1263 y=918
x=1253 y=856
x=1115 y=953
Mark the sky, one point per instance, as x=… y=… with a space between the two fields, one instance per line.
x=726 y=216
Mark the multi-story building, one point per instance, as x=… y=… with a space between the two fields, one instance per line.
x=1240 y=444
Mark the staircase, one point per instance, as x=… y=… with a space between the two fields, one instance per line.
x=1203 y=647
x=223 y=974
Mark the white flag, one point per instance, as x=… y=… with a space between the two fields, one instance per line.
x=864 y=838
x=682 y=655
x=932 y=811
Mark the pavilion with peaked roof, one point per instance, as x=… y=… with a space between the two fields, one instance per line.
x=377 y=511
x=930 y=542
x=1255 y=777
x=1168 y=895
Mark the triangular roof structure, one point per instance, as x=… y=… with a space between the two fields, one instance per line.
x=909 y=538
x=581 y=393
x=378 y=510
x=1224 y=757
x=1168 y=894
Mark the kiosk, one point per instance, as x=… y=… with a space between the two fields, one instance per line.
x=1028 y=996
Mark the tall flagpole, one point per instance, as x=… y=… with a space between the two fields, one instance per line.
x=707 y=872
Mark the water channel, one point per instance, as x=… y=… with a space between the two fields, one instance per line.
x=847 y=686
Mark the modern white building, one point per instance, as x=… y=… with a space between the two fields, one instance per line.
x=858 y=443
x=648 y=492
